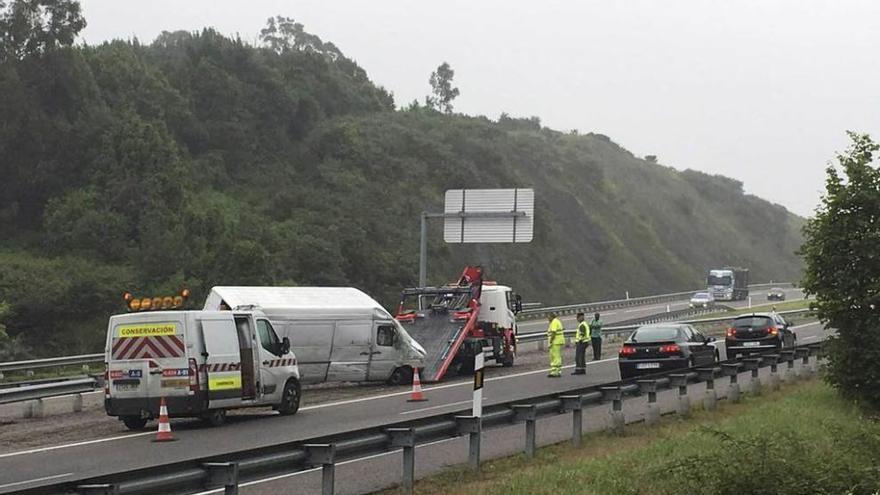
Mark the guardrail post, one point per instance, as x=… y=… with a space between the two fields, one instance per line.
x=473 y=426
x=752 y=364
x=223 y=474
x=405 y=438
x=680 y=380
x=652 y=416
x=325 y=455
x=804 y=354
x=773 y=360
x=36 y=410
x=710 y=401
x=103 y=489
x=788 y=358
x=575 y=404
x=815 y=350
x=616 y=419
x=528 y=414
x=732 y=370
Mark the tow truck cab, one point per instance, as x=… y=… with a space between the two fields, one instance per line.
x=201 y=362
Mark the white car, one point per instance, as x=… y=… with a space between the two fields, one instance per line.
x=702 y=300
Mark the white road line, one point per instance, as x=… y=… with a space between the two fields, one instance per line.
x=441 y=406
x=350 y=461
x=45 y=478
x=77 y=444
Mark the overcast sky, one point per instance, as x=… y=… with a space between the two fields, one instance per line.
x=758 y=90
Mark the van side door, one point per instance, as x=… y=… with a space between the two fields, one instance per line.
x=273 y=373
x=222 y=363
x=385 y=355
x=351 y=352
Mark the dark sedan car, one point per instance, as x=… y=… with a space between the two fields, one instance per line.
x=664 y=347
x=776 y=294
x=758 y=332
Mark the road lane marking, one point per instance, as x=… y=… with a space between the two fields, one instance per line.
x=77 y=444
x=35 y=480
x=441 y=406
x=440 y=387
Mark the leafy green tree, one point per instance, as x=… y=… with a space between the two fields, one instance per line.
x=441 y=88
x=28 y=27
x=842 y=254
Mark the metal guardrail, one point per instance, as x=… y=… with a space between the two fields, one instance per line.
x=45 y=390
x=622 y=329
x=225 y=471
x=623 y=303
x=32 y=364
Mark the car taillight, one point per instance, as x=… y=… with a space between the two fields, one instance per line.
x=193 y=377
x=106 y=380
x=773 y=331
x=627 y=350
x=670 y=349
x=731 y=332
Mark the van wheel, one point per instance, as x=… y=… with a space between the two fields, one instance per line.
x=215 y=417
x=401 y=376
x=134 y=423
x=289 y=399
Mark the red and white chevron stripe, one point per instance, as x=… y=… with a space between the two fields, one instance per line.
x=274 y=363
x=216 y=367
x=158 y=346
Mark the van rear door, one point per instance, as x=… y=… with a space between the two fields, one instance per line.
x=223 y=362
x=148 y=356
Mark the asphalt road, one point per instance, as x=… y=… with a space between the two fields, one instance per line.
x=87 y=459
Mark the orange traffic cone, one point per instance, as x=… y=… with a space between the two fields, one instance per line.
x=164 y=433
x=416 y=395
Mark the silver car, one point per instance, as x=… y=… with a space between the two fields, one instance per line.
x=702 y=300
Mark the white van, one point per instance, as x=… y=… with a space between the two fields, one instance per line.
x=339 y=333
x=201 y=362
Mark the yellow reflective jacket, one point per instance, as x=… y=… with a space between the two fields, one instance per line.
x=556 y=333
x=583 y=332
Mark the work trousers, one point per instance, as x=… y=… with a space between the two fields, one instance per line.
x=580 y=355
x=597 y=348
x=556 y=359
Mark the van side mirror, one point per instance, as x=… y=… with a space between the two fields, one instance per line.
x=517 y=306
x=285 y=345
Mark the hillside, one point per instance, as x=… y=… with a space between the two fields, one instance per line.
x=199 y=160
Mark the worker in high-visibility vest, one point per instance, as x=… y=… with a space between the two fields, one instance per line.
x=556 y=341
x=581 y=341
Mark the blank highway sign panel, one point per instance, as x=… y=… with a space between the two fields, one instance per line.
x=489 y=215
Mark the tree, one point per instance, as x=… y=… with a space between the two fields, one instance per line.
x=441 y=88
x=283 y=34
x=28 y=27
x=842 y=255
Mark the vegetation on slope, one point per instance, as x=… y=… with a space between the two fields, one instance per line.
x=199 y=159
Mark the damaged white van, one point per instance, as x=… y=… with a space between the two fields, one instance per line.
x=201 y=362
x=338 y=333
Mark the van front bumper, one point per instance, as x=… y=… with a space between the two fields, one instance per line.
x=148 y=407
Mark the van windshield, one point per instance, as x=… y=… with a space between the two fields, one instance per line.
x=404 y=338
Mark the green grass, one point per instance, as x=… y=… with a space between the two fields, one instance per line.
x=804 y=439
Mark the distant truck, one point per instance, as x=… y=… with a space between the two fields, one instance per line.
x=456 y=321
x=339 y=334
x=200 y=362
x=729 y=283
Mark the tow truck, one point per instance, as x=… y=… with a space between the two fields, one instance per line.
x=453 y=323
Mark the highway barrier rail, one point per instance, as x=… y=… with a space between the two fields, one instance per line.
x=623 y=303
x=227 y=471
x=50 y=389
x=660 y=317
x=55 y=362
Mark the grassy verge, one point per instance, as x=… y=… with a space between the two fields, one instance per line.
x=804 y=439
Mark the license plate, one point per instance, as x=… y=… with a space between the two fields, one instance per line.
x=751 y=344
x=126 y=387
x=647 y=366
